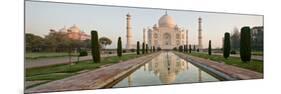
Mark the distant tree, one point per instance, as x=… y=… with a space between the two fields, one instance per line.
x=86 y=44
x=104 y=41
x=133 y=50
x=95 y=46
x=245 y=44
x=34 y=43
x=71 y=45
x=159 y=49
x=56 y=42
x=210 y=48
x=175 y=48
x=119 y=47
x=190 y=48
x=235 y=39
x=226 y=46
x=138 y=48
x=143 y=48
x=181 y=48
x=257 y=38
x=83 y=53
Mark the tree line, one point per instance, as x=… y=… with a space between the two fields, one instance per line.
x=245 y=44
x=53 y=42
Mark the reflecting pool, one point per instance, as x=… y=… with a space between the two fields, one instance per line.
x=166 y=68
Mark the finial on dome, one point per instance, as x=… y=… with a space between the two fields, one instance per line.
x=200 y=18
x=128 y=14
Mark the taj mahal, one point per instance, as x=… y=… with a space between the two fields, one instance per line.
x=165 y=35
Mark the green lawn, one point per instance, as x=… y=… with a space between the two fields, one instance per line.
x=235 y=61
x=36 y=55
x=258 y=53
x=65 y=70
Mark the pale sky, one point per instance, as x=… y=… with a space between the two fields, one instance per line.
x=110 y=21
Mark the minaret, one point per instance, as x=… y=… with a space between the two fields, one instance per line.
x=129 y=31
x=186 y=36
x=200 y=46
x=144 y=37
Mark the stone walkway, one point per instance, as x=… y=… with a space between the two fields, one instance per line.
x=33 y=63
x=95 y=79
x=229 y=70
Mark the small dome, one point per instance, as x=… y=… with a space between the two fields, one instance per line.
x=74 y=28
x=166 y=21
x=63 y=29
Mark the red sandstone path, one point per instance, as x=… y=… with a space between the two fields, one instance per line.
x=233 y=71
x=94 y=79
x=33 y=63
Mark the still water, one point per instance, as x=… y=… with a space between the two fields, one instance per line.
x=166 y=68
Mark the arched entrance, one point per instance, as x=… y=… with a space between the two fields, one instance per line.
x=167 y=39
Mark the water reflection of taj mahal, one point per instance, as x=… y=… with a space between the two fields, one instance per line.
x=167 y=67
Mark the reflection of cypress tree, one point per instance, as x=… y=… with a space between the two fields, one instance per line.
x=143 y=48
x=245 y=44
x=119 y=47
x=138 y=48
x=210 y=48
x=95 y=46
x=226 y=45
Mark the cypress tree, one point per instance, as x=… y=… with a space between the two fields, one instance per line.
x=189 y=48
x=119 y=47
x=210 y=48
x=245 y=44
x=95 y=46
x=138 y=48
x=143 y=48
x=226 y=46
x=153 y=48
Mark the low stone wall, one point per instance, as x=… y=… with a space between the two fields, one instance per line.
x=227 y=72
x=95 y=79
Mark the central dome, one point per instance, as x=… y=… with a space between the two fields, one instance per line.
x=166 y=21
